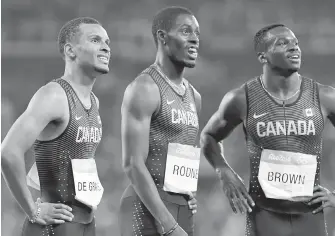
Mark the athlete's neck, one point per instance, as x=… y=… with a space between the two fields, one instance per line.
x=81 y=82
x=280 y=84
x=173 y=71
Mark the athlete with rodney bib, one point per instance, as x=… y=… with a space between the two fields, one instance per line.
x=159 y=131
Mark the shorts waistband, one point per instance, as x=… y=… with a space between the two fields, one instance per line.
x=179 y=199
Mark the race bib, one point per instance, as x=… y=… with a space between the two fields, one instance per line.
x=287 y=175
x=33 y=179
x=182 y=168
x=87 y=184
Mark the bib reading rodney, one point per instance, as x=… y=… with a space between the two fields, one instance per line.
x=295 y=127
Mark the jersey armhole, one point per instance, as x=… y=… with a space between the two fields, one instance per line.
x=157 y=111
x=70 y=115
x=95 y=100
x=195 y=102
x=317 y=95
x=245 y=123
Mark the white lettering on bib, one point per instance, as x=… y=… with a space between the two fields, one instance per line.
x=88 y=188
x=182 y=168
x=287 y=175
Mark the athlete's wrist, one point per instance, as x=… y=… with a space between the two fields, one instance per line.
x=35 y=212
x=168 y=223
x=222 y=170
x=170 y=231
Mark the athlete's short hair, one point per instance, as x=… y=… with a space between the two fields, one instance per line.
x=260 y=36
x=70 y=29
x=165 y=19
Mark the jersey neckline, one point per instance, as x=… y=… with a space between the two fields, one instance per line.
x=286 y=104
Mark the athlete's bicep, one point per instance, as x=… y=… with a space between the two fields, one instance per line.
x=136 y=112
x=43 y=108
x=230 y=113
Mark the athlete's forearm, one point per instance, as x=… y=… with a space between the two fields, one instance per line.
x=145 y=188
x=14 y=173
x=213 y=152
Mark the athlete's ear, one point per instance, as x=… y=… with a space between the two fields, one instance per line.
x=162 y=36
x=68 y=50
x=262 y=57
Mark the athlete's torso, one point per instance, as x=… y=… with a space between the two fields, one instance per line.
x=295 y=127
x=175 y=122
x=79 y=141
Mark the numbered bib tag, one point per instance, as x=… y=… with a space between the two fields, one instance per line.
x=33 y=179
x=287 y=175
x=88 y=188
x=182 y=168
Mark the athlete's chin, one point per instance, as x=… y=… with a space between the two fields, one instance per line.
x=294 y=69
x=190 y=63
x=102 y=70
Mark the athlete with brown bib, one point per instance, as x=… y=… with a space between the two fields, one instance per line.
x=159 y=130
x=63 y=125
x=283 y=114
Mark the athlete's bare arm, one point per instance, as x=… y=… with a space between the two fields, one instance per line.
x=141 y=100
x=322 y=194
x=46 y=105
x=327 y=100
x=231 y=113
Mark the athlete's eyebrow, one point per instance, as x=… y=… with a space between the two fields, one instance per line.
x=107 y=41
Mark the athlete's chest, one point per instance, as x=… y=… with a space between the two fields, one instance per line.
x=86 y=124
x=267 y=119
x=180 y=111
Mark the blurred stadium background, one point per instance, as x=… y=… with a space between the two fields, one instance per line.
x=30 y=59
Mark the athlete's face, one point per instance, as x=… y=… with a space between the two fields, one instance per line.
x=92 y=48
x=283 y=51
x=183 y=41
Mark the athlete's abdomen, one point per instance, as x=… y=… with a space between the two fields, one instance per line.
x=53 y=160
x=296 y=127
x=176 y=122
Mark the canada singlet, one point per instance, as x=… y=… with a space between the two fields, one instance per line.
x=295 y=128
x=175 y=122
x=79 y=141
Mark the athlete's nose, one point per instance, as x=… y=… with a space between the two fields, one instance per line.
x=193 y=39
x=105 y=48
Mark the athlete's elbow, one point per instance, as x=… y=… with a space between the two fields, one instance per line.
x=8 y=157
x=131 y=167
x=204 y=137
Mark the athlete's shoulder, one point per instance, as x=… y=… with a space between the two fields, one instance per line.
x=234 y=103
x=327 y=96
x=237 y=95
x=142 y=84
x=50 y=100
x=52 y=93
x=325 y=89
x=141 y=93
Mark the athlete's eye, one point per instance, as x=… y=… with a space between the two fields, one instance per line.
x=94 y=40
x=186 y=31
